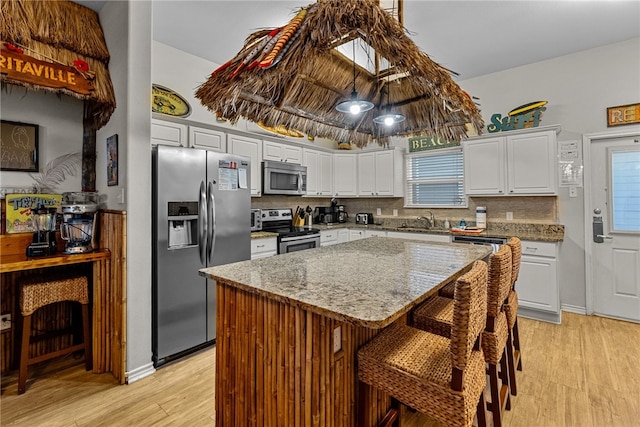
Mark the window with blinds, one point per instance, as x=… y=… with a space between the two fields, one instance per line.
x=435 y=179
x=625 y=190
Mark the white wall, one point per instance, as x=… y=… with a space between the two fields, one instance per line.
x=579 y=88
x=60 y=130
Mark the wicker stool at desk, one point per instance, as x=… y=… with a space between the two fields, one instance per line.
x=36 y=292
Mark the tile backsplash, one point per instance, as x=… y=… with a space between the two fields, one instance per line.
x=524 y=209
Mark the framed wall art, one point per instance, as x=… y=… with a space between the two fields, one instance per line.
x=19 y=147
x=112 y=160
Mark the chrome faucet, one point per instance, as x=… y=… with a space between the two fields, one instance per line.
x=430 y=220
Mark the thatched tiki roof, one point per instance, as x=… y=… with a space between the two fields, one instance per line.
x=302 y=89
x=62 y=32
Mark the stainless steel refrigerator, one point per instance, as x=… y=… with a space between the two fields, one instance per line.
x=201 y=218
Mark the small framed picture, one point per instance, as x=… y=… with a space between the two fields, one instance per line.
x=112 y=160
x=19 y=147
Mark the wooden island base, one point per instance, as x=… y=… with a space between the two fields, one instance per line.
x=289 y=374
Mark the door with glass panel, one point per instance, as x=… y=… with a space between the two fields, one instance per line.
x=615 y=220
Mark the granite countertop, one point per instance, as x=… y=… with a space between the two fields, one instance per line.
x=368 y=282
x=262 y=234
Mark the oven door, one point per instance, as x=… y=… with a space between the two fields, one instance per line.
x=298 y=243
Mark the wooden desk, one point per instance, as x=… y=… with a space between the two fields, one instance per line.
x=108 y=274
x=289 y=326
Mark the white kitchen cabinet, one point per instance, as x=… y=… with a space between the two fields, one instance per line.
x=380 y=173
x=375 y=233
x=265 y=247
x=517 y=163
x=319 y=172
x=345 y=175
x=281 y=152
x=208 y=139
x=168 y=133
x=252 y=148
x=537 y=285
x=426 y=237
x=334 y=236
x=356 y=234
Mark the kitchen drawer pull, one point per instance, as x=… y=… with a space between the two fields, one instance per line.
x=530 y=249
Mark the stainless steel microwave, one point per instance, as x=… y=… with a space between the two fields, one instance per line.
x=284 y=178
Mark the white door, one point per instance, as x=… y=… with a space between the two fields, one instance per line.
x=614 y=218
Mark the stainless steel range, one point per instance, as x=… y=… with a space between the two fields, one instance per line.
x=290 y=238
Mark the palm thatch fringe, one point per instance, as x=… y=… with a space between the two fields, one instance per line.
x=62 y=31
x=301 y=91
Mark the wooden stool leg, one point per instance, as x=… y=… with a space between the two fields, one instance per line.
x=24 y=353
x=511 y=365
x=504 y=377
x=516 y=345
x=481 y=412
x=496 y=403
x=88 y=354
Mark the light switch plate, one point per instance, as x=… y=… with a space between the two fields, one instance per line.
x=337 y=339
x=573 y=192
x=378 y=211
x=509 y=216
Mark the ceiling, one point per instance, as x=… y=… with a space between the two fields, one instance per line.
x=472 y=38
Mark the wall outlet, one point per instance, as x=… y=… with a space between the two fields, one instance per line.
x=395 y=212
x=337 y=339
x=5 y=322
x=509 y=216
x=378 y=211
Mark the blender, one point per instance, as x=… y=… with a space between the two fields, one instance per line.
x=78 y=226
x=44 y=237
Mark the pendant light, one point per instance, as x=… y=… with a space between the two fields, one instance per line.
x=388 y=118
x=354 y=106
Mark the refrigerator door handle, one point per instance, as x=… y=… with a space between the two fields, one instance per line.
x=211 y=214
x=202 y=223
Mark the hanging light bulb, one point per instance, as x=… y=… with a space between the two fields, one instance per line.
x=389 y=118
x=354 y=105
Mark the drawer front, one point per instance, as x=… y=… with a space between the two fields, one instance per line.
x=328 y=236
x=545 y=249
x=263 y=245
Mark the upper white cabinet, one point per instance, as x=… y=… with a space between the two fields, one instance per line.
x=252 y=148
x=380 y=173
x=168 y=133
x=319 y=172
x=520 y=163
x=208 y=139
x=345 y=175
x=281 y=152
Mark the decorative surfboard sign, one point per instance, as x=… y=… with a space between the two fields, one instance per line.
x=169 y=102
x=525 y=116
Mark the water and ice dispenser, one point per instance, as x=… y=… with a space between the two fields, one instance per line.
x=183 y=224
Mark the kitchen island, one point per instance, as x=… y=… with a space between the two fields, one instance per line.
x=289 y=326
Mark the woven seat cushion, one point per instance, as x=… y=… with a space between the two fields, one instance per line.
x=36 y=292
x=493 y=343
x=435 y=315
x=448 y=290
x=511 y=308
x=415 y=367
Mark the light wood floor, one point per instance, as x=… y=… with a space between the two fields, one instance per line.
x=583 y=373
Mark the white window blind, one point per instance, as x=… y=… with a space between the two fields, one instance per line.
x=435 y=179
x=625 y=194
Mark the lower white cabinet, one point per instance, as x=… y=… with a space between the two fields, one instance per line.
x=331 y=237
x=445 y=238
x=356 y=234
x=537 y=285
x=265 y=247
x=375 y=233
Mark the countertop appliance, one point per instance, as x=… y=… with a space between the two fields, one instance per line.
x=44 y=236
x=284 y=178
x=364 y=218
x=341 y=213
x=79 y=211
x=290 y=238
x=197 y=195
x=256 y=219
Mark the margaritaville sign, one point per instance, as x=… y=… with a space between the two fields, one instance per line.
x=424 y=143
x=24 y=68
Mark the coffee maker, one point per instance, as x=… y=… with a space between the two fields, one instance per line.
x=340 y=213
x=44 y=237
x=78 y=226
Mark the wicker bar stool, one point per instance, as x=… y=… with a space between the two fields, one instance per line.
x=36 y=293
x=443 y=378
x=435 y=315
x=511 y=309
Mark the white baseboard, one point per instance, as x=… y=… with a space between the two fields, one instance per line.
x=140 y=373
x=573 y=309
